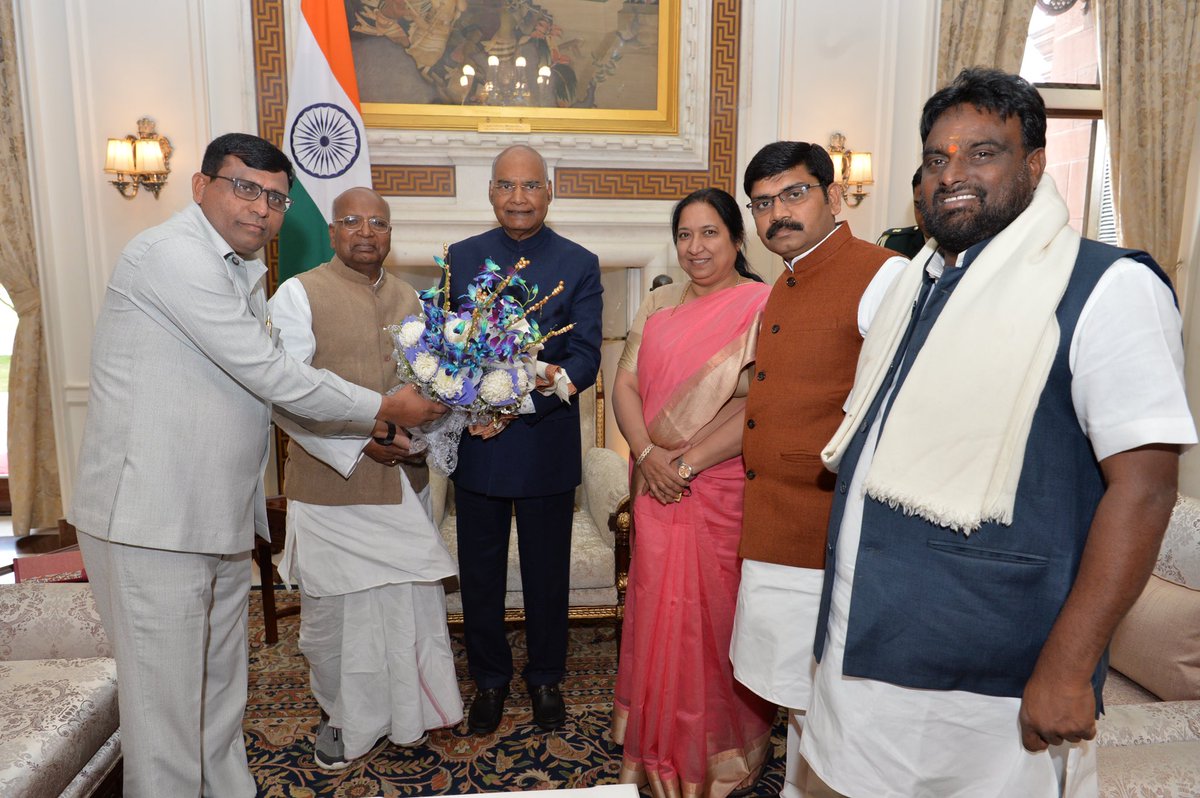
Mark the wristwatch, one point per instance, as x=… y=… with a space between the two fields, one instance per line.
x=685 y=470
x=391 y=435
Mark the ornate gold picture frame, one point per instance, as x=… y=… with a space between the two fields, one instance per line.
x=584 y=65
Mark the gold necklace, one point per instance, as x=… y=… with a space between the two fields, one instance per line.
x=684 y=293
x=688 y=287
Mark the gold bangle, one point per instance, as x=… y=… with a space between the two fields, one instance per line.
x=642 y=456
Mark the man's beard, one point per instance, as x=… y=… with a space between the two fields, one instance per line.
x=957 y=230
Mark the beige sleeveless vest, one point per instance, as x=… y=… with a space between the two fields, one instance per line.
x=348 y=317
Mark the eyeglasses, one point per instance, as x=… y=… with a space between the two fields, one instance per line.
x=244 y=189
x=792 y=195
x=508 y=186
x=354 y=223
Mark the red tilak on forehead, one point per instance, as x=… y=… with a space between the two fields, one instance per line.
x=953 y=148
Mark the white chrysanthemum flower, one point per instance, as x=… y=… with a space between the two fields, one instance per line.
x=425 y=366
x=410 y=333
x=496 y=387
x=522 y=381
x=447 y=386
x=456 y=330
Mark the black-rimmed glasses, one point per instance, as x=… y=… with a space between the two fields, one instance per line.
x=792 y=195
x=375 y=224
x=244 y=189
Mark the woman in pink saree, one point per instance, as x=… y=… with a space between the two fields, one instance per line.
x=687 y=727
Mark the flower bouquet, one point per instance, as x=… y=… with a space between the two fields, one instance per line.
x=481 y=360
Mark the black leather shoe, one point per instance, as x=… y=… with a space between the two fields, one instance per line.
x=486 y=710
x=549 y=711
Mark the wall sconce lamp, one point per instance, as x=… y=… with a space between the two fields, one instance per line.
x=141 y=160
x=850 y=167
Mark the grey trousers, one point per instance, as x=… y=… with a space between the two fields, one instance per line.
x=177 y=623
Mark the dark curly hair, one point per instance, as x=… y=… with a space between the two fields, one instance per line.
x=992 y=90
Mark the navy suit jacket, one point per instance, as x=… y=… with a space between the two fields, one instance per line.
x=539 y=453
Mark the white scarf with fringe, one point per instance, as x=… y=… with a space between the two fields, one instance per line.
x=954 y=442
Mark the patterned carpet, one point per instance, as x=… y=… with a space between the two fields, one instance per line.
x=281 y=715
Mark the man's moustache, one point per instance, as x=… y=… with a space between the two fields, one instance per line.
x=783 y=224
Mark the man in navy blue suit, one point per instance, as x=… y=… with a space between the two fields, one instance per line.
x=530 y=460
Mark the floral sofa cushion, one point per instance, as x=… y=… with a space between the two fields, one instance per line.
x=1179 y=557
x=1150 y=750
x=55 y=714
x=47 y=621
x=1157 y=644
x=1159 y=771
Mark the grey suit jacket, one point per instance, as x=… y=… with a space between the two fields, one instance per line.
x=184 y=373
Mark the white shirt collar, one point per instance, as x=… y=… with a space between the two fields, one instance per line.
x=791 y=264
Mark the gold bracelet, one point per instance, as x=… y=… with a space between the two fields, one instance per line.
x=642 y=456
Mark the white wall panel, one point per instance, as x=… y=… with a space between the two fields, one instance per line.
x=89 y=71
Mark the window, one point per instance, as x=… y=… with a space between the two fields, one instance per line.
x=1062 y=58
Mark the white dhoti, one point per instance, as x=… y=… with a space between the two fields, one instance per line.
x=772 y=647
x=373 y=618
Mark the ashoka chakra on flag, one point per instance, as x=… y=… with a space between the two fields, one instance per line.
x=324 y=140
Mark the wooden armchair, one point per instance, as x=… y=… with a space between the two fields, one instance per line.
x=263 y=551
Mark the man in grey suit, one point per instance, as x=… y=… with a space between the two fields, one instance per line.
x=169 y=490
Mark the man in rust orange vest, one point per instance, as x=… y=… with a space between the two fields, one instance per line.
x=360 y=541
x=812 y=330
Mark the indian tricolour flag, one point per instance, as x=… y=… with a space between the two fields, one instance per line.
x=323 y=135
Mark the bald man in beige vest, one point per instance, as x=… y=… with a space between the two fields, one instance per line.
x=360 y=543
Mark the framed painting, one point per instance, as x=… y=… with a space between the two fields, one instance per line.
x=605 y=66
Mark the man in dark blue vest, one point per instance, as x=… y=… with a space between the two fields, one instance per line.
x=530 y=461
x=1006 y=470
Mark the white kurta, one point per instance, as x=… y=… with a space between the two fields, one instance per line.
x=872 y=738
x=776 y=615
x=373 y=611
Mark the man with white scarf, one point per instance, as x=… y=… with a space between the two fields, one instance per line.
x=1006 y=470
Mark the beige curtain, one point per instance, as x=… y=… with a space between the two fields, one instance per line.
x=1150 y=73
x=32 y=463
x=982 y=33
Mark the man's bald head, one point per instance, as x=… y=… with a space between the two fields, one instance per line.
x=361 y=230
x=364 y=194
x=520 y=191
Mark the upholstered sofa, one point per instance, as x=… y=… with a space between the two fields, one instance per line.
x=599 y=533
x=1149 y=736
x=58 y=694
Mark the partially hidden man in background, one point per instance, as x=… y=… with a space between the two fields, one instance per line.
x=1006 y=470
x=530 y=461
x=812 y=329
x=169 y=492
x=360 y=541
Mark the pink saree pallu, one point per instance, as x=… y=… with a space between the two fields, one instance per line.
x=688 y=728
